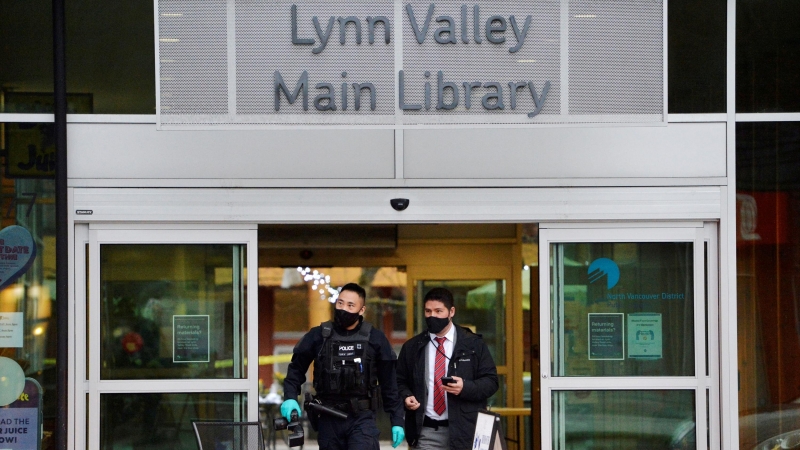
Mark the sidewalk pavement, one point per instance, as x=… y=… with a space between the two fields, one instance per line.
x=312 y=445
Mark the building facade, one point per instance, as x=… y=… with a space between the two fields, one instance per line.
x=606 y=187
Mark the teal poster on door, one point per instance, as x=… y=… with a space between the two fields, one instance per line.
x=645 y=336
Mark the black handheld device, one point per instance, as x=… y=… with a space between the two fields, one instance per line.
x=296 y=436
x=448 y=380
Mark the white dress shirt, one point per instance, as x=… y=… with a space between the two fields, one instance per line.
x=449 y=343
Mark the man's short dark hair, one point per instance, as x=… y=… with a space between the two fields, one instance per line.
x=353 y=287
x=442 y=295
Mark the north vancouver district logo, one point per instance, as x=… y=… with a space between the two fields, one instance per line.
x=604 y=267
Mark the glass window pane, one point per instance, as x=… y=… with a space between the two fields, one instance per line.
x=156 y=420
x=26 y=55
x=480 y=306
x=696 y=56
x=622 y=309
x=768 y=269
x=28 y=291
x=171 y=311
x=111 y=55
x=624 y=420
x=767 y=56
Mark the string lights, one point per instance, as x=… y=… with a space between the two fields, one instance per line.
x=321 y=283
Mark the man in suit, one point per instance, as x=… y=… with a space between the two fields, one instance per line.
x=441 y=414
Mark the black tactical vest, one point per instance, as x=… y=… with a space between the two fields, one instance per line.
x=345 y=367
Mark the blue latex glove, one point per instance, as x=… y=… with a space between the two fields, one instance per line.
x=397 y=436
x=288 y=406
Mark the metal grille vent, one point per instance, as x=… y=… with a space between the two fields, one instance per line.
x=193 y=61
x=485 y=61
x=616 y=57
x=263 y=46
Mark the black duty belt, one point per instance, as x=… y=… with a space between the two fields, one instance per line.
x=433 y=423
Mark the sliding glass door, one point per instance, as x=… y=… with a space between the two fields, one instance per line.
x=625 y=319
x=170 y=329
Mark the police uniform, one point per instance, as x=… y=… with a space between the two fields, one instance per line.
x=352 y=369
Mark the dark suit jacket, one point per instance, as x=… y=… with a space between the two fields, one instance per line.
x=471 y=361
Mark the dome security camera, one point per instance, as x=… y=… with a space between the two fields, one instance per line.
x=399 y=204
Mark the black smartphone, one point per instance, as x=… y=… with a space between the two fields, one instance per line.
x=448 y=380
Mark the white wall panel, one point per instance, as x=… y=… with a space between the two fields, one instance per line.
x=372 y=205
x=139 y=151
x=677 y=150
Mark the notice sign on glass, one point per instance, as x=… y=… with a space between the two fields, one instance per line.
x=190 y=339
x=20 y=422
x=644 y=336
x=606 y=333
x=11 y=324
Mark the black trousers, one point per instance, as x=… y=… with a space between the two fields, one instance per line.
x=358 y=432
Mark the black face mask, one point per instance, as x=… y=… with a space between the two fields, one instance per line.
x=436 y=324
x=345 y=318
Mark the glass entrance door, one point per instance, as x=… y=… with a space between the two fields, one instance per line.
x=168 y=329
x=625 y=319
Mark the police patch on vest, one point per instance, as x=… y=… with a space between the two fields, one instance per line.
x=346 y=350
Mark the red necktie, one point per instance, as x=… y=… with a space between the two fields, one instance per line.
x=439 y=372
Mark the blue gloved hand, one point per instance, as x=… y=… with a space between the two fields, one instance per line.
x=288 y=406
x=397 y=436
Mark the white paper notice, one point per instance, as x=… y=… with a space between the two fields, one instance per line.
x=644 y=336
x=11 y=329
x=483 y=432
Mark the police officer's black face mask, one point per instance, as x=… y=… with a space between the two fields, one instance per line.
x=345 y=318
x=436 y=324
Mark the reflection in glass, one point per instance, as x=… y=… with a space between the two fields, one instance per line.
x=171 y=311
x=768 y=274
x=111 y=55
x=624 y=420
x=26 y=58
x=480 y=306
x=622 y=309
x=163 y=421
x=696 y=56
x=767 y=56
x=28 y=200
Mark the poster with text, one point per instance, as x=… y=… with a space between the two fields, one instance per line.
x=20 y=422
x=190 y=339
x=11 y=329
x=645 y=336
x=606 y=333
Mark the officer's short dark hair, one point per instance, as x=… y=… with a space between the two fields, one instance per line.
x=442 y=295
x=353 y=287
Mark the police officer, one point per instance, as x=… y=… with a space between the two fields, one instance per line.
x=353 y=362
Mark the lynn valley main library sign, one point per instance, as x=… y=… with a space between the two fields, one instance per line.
x=542 y=61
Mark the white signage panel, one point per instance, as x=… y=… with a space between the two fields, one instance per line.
x=258 y=62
